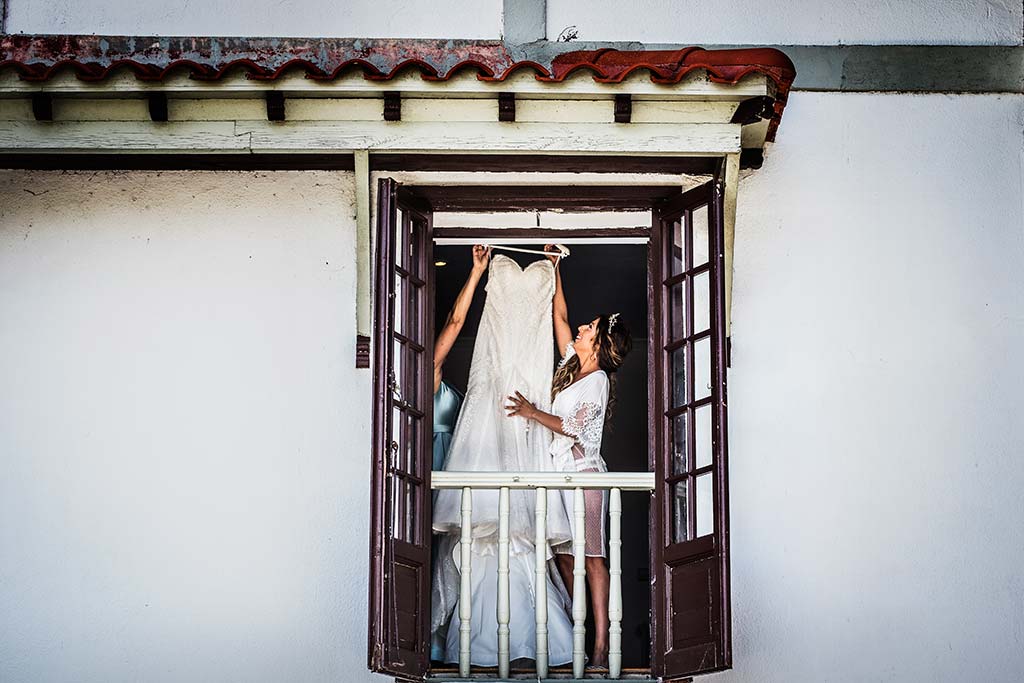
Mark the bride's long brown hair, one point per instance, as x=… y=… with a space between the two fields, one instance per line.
x=612 y=344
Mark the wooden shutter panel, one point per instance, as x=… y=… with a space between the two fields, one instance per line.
x=690 y=544
x=400 y=533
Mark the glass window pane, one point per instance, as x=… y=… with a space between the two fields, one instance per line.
x=679 y=439
x=702 y=436
x=705 y=505
x=395 y=450
x=412 y=445
x=677 y=312
x=412 y=512
x=398 y=370
x=397 y=523
x=401 y=286
x=677 y=249
x=411 y=388
x=700 y=236
x=701 y=302
x=415 y=316
x=412 y=246
x=401 y=248
x=678 y=377
x=679 y=507
x=702 y=368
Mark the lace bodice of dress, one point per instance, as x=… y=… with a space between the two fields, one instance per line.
x=513 y=352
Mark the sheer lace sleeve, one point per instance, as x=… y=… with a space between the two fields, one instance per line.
x=569 y=353
x=585 y=424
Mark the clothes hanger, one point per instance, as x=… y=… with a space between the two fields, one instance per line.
x=563 y=251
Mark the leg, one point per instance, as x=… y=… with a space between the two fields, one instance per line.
x=598 y=579
x=599 y=582
x=566 y=565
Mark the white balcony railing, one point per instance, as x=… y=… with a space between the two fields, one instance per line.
x=615 y=483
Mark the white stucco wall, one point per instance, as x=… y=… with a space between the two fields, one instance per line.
x=184 y=438
x=699 y=22
x=795 y=22
x=279 y=18
x=183 y=435
x=876 y=448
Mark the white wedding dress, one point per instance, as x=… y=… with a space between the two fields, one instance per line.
x=513 y=352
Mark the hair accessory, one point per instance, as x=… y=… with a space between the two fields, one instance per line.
x=612 y=319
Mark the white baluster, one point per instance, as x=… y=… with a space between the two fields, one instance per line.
x=503 y=588
x=541 y=551
x=615 y=594
x=466 y=588
x=579 y=591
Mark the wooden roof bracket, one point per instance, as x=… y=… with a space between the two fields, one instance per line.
x=507 y=106
x=275 y=106
x=42 y=106
x=623 y=108
x=157 y=106
x=393 y=106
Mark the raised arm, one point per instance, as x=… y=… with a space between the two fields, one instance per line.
x=559 y=311
x=457 y=316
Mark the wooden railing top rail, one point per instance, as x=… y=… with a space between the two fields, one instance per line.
x=625 y=481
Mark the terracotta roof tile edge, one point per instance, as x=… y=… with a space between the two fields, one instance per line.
x=94 y=58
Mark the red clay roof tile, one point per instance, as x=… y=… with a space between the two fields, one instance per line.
x=94 y=58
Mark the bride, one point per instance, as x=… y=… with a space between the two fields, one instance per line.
x=514 y=350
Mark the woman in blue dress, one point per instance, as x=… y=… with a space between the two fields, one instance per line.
x=447 y=402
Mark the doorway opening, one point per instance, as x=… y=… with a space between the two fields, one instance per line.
x=685 y=480
x=602 y=275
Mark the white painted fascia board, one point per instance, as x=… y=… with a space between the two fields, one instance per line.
x=645 y=139
x=642 y=139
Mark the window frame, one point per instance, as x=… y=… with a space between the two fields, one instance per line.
x=714 y=652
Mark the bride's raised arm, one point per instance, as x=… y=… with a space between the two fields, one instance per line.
x=559 y=311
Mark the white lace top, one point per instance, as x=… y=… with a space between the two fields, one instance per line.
x=581 y=407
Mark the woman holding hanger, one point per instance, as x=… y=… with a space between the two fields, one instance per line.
x=446 y=399
x=582 y=393
x=447 y=403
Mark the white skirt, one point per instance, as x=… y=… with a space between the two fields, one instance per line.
x=522 y=613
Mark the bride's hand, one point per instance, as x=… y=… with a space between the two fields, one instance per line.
x=520 y=407
x=555 y=253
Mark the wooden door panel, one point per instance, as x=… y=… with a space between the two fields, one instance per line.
x=400 y=526
x=691 y=610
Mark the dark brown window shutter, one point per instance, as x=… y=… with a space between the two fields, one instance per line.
x=690 y=611
x=399 y=618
